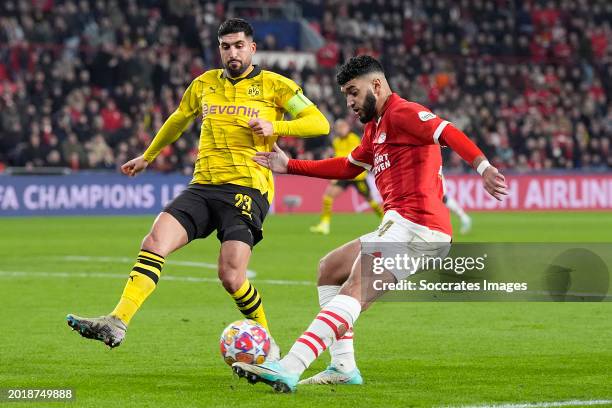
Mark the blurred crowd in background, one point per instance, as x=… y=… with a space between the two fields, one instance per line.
x=87 y=83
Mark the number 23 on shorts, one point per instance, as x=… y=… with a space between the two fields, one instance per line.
x=243 y=202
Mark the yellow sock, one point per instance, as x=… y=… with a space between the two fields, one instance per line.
x=249 y=303
x=376 y=207
x=326 y=212
x=142 y=282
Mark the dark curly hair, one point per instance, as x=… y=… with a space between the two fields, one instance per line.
x=356 y=67
x=235 y=25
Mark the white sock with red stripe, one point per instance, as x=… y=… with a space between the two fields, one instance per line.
x=342 y=351
x=332 y=321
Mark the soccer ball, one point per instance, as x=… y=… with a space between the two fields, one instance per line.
x=245 y=341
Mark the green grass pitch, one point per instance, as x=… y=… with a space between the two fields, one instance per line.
x=410 y=354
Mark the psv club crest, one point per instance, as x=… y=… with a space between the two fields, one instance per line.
x=381 y=138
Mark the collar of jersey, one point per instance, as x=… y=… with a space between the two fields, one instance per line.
x=390 y=100
x=254 y=72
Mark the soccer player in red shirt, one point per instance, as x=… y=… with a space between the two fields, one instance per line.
x=401 y=147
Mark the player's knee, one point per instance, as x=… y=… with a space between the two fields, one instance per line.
x=231 y=283
x=321 y=271
x=153 y=242
x=231 y=275
x=325 y=273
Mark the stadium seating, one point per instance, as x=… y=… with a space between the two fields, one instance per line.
x=86 y=84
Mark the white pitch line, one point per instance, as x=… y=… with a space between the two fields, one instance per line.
x=66 y=275
x=572 y=403
x=114 y=259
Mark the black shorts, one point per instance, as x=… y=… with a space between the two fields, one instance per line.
x=236 y=212
x=361 y=186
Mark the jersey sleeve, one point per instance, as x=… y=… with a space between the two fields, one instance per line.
x=290 y=96
x=336 y=168
x=417 y=125
x=363 y=155
x=461 y=144
x=176 y=123
x=190 y=102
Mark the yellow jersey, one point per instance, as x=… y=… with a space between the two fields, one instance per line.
x=344 y=145
x=227 y=143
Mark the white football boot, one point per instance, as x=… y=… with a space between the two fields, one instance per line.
x=332 y=376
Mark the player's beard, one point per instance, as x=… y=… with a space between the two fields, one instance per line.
x=369 y=108
x=236 y=72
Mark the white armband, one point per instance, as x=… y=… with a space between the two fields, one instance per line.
x=483 y=166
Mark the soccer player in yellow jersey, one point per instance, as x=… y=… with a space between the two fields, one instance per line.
x=242 y=109
x=344 y=142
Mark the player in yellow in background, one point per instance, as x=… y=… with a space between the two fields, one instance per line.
x=242 y=109
x=343 y=143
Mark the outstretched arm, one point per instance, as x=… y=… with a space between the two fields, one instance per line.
x=174 y=126
x=336 y=168
x=494 y=181
x=170 y=131
x=333 y=169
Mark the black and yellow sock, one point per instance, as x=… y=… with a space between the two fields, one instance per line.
x=326 y=212
x=249 y=303
x=142 y=282
x=376 y=207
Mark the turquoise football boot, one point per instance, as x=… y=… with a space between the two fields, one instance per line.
x=270 y=372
